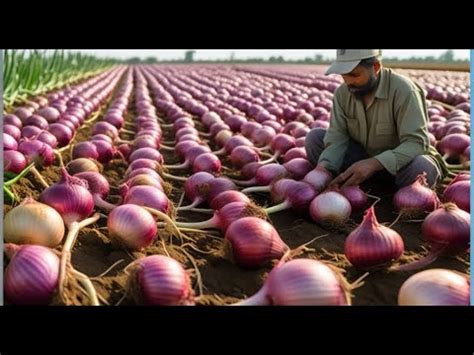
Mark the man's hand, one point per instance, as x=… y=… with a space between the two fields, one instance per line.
x=357 y=173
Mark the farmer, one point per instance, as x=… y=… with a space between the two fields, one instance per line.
x=378 y=125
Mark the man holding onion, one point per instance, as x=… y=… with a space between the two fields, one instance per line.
x=379 y=123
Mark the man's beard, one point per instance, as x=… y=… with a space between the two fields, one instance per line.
x=365 y=89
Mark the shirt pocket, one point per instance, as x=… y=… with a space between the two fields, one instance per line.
x=384 y=128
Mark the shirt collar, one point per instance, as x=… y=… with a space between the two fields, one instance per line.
x=382 y=88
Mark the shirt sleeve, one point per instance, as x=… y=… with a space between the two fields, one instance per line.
x=336 y=139
x=411 y=119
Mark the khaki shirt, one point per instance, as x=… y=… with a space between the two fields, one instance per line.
x=393 y=129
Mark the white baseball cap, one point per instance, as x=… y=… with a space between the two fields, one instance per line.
x=348 y=59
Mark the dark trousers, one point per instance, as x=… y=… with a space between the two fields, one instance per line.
x=355 y=152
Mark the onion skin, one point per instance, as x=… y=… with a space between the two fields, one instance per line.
x=131 y=226
x=32 y=276
x=447 y=229
x=254 y=242
x=330 y=208
x=161 y=281
x=227 y=197
x=435 y=287
x=372 y=244
x=33 y=222
x=319 y=178
x=302 y=282
x=449 y=226
x=13 y=161
x=416 y=199
x=70 y=197
x=459 y=193
x=356 y=197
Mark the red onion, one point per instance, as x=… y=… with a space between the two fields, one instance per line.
x=462 y=176
x=435 y=287
x=66 y=123
x=32 y=275
x=249 y=170
x=226 y=197
x=235 y=122
x=447 y=229
x=330 y=208
x=23 y=113
x=223 y=218
x=12 y=120
x=297 y=152
x=218 y=185
x=298 y=168
x=102 y=137
x=416 y=198
x=70 y=197
x=302 y=282
x=85 y=150
x=249 y=127
x=319 y=178
x=30 y=131
x=148 y=196
x=114 y=119
x=13 y=131
x=9 y=143
x=105 y=128
x=195 y=189
x=280 y=144
x=207 y=162
x=36 y=151
x=158 y=280
x=222 y=137
x=80 y=165
x=62 y=133
x=13 y=161
x=105 y=150
x=137 y=180
x=146 y=153
x=233 y=143
x=191 y=154
x=182 y=148
x=131 y=226
x=254 y=242
x=243 y=155
x=51 y=114
x=124 y=150
x=47 y=138
x=459 y=193
x=356 y=197
x=298 y=198
x=99 y=187
x=372 y=244
x=266 y=175
x=453 y=145
x=263 y=136
x=36 y=121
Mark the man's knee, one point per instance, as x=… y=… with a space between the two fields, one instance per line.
x=315 y=137
x=314 y=144
x=419 y=165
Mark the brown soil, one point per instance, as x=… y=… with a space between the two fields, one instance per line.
x=223 y=281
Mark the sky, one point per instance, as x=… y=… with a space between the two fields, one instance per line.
x=203 y=54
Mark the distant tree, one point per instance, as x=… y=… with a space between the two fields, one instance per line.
x=447 y=56
x=232 y=56
x=151 y=60
x=133 y=60
x=189 y=56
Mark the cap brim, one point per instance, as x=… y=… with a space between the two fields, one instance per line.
x=342 y=67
